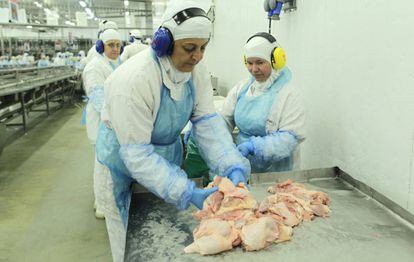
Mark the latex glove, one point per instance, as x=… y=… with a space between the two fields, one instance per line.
x=237 y=177
x=199 y=195
x=246 y=148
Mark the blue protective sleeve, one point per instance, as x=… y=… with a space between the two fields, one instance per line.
x=275 y=146
x=96 y=97
x=216 y=146
x=166 y=180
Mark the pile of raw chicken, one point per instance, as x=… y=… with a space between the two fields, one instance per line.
x=231 y=216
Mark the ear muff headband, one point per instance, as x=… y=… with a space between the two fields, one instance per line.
x=278 y=55
x=163 y=40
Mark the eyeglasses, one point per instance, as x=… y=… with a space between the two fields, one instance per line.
x=114 y=45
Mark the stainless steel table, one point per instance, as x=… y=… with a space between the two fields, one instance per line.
x=359 y=229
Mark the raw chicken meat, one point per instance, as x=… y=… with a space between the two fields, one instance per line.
x=213 y=236
x=231 y=216
x=259 y=233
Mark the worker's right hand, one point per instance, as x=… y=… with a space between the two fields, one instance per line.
x=199 y=195
x=237 y=177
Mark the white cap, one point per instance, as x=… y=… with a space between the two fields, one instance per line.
x=259 y=47
x=195 y=27
x=105 y=24
x=136 y=33
x=110 y=34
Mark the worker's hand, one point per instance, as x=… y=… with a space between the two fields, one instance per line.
x=199 y=195
x=237 y=177
x=246 y=148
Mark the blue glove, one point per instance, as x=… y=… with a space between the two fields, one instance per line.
x=246 y=148
x=237 y=177
x=199 y=195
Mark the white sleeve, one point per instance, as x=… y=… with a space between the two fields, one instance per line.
x=292 y=116
x=92 y=76
x=131 y=116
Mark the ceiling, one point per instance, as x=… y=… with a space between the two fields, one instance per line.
x=101 y=9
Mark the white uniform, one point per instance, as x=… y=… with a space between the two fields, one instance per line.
x=94 y=76
x=286 y=113
x=132 y=101
x=92 y=53
x=132 y=50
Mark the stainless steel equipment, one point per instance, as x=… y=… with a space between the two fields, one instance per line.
x=359 y=229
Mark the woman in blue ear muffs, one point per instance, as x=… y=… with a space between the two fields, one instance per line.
x=265 y=108
x=148 y=101
x=94 y=76
x=103 y=25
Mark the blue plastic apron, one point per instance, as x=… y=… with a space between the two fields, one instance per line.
x=251 y=114
x=171 y=118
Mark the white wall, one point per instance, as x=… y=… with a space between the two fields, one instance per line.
x=353 y=63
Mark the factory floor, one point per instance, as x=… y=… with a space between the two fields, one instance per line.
x=46 y=196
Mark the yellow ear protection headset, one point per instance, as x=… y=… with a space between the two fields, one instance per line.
x=277 y=57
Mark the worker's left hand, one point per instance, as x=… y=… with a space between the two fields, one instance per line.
x=199 y=195
x=246 y=148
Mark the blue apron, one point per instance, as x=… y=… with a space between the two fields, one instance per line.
x=171 y=118
x=251 y=114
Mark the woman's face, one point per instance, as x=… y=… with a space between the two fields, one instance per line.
x=188 y=52
x=112 y=49
x=259 y=68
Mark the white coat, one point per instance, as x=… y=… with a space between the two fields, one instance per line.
x=132 y=50
x=94 y=75
x=92 y=53
x=286 y=113
x=133 y=94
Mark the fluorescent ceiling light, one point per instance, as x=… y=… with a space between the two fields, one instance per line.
x=82 y=3
x=127 y=13
x=29 y=26
x=159 y=3
x=88 y=11
x=126 y=3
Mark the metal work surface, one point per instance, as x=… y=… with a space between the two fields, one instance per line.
x=39 y=78
x=359 y=229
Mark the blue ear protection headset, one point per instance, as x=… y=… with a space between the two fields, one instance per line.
x=163 y=41
x=131 y=39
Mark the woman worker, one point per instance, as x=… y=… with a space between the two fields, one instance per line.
x=266 y=109
x=94 y=76
x=148 y=101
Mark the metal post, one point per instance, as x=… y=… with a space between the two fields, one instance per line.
x=47 y=99
x=21 y=95
x=270 y=26
x=1 y=40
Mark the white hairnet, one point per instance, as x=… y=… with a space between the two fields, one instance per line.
x=195 y=27
x=110 y=34
x=259 y=47
x=105 y=24
x=136 y=33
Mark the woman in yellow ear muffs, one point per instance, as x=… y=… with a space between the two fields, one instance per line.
x=266 y=109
